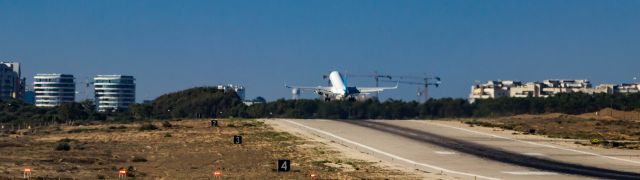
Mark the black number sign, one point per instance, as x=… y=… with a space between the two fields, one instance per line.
x=237 y=139
x=284 y=165
x=214 y=123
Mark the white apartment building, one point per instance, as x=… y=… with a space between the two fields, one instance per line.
x=530 y=89
x=492 y=90
x=628 y=88
x=54 y=89
x=497 y=89
x=114 y=92
x=556 y=86
x=605 y=88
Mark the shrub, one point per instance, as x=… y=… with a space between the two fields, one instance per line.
x=131 y=171
x=139 y=159
x=148 y=127
x=63 y=146
x=79 y=130
x=67 y=140
x=166 y=124
x=118 y=127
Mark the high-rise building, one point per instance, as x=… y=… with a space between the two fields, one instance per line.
x=54 y=89
x=114 y=92
x=11 y=85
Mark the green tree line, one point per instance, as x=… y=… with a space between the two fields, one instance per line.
x=208 y=102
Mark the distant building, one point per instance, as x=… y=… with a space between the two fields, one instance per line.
x=11 y=83
x=53 y=89
x=530 y=89
x=497 y=89
x=606 y=88
x=249 y=103
x=114 y=92
x=556 y=86
x=492 y=89
x=238 y=89
x=628 y=88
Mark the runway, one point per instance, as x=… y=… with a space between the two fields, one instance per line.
x=473 y=152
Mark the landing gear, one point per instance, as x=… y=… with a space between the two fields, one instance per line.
x=326 y=99
x=351 y=99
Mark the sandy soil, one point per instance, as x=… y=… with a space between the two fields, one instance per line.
x=603 y=130
x=512 y=134
x=190 y=149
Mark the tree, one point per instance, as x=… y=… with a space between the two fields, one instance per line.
x=71 y=111
x=141 y=111
x=260 y=99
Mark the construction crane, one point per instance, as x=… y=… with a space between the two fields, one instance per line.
x=376 y=76
x=426 y=82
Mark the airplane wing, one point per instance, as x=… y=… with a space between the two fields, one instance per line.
x=374 y=89
x=317 y=88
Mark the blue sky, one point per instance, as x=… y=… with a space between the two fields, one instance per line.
x=173 y=45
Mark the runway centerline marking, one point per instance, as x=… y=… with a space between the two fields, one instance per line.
x=444 y=152
x=391 y=155
x=533 y=143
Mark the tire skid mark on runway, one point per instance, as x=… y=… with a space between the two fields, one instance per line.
x=537 y=144
x=391 y=155
x=496 y=154
x=533 y=154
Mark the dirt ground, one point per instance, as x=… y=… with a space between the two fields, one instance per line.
x=588 y=129
x=186 y=149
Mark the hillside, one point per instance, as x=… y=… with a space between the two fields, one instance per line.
x=198 y=102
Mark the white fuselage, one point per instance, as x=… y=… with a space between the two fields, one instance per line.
x=338 y=85
x=338 y=89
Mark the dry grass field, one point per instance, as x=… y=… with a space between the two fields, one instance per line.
x=598 y=130
x=186 y=149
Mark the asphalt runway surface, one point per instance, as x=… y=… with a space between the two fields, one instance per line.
x=469 y=153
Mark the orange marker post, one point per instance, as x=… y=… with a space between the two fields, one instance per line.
x=27 y=172
x=217 y=174
x=122 y=173
x=313 y=175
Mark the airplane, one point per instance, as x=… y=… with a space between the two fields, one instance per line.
x=339 y=89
